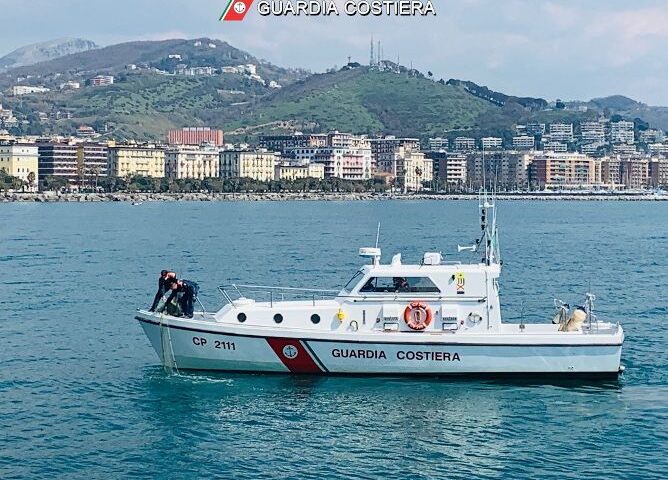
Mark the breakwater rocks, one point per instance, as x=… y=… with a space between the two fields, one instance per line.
x=331 y=196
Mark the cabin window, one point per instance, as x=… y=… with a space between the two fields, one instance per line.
x=352 y=282
x=399 y=285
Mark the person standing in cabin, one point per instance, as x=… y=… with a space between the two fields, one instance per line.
x=188 y=291
x=166 y=276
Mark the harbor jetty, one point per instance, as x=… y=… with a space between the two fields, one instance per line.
x=310 y=196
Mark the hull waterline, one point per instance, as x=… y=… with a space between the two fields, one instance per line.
x=199 y=348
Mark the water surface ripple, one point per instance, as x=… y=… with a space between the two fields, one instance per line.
x=82 y=394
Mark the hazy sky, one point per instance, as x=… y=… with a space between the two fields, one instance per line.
x=548 y=48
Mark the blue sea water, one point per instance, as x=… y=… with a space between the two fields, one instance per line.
x=82 y=394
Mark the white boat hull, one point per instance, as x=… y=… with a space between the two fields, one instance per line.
x=188 y=346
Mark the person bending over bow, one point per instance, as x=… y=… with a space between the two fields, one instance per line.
x=166 y=276
x=188 y=291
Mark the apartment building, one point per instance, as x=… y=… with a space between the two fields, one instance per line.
x=658 y=172
x=622 y=132
x=27 y=89
x=491 y=143
x=503 y=170
x=187 y=161
x=561 y=132
x=592 y=132
x=256 y=164
x=464 y=144
x=634 y=172
x=291 y=171
x=524 y=142
x=195 y=136
x=385 y=150
x=610 y=172
x=285 y=143
x=21 y=161
x=562 y=170
x=101 y=80
x=450 y=168
x=80 y=163
x=438 y=143
x=130 y=159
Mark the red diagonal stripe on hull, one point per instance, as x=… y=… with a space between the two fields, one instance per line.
x=302 y=362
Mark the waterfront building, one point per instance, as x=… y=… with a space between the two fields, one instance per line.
x=562 y=170
x=195 y=136
x=79 y=163
x=188 y=161
x=131 y=159
x=502 y=170
x=524 y=142
x=610 y=172
x=101 y=80
x=413 y=170
x=386 y=150
x=634 y=172
x=21 y=161
x=348 y=164
x=292 y=171
x=561 y=132
x=464 y=144
x=450 y=168
x=491 y=143
x=256 y=164
x=27 y=89
x=622 y=132
x=658 y=172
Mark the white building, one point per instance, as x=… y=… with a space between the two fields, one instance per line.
x=524 y=142
x=438 y=143
x=27 y=89
x=191 y=162
x=622 y=132
x=561 y=132
x=464 y=143
x=490 y=143
x=555 y=147
x=592 y=132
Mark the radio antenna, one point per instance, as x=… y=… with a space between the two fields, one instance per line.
x=377 y=234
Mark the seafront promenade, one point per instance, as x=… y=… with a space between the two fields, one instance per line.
x=312 y=196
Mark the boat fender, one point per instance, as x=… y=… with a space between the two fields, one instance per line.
x=417 y=315
x=340 y=315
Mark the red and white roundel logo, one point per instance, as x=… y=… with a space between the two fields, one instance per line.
x=290 y=351
x=239 y=7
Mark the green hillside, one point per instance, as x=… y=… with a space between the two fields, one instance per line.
x=371 y=102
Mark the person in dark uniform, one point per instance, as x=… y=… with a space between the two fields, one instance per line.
x=188 y=291
x=165 y=276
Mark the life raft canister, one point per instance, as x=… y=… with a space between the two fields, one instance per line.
x=417 y=315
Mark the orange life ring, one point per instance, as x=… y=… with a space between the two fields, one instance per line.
x=417 y=315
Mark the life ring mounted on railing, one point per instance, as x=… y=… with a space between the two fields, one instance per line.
x=417 y=315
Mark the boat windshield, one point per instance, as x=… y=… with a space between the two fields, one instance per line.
x=352 y=282
x=399 y=285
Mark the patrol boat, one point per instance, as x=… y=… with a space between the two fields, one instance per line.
x=438 y=317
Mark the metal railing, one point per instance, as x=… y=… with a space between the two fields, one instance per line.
x=275 y=294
